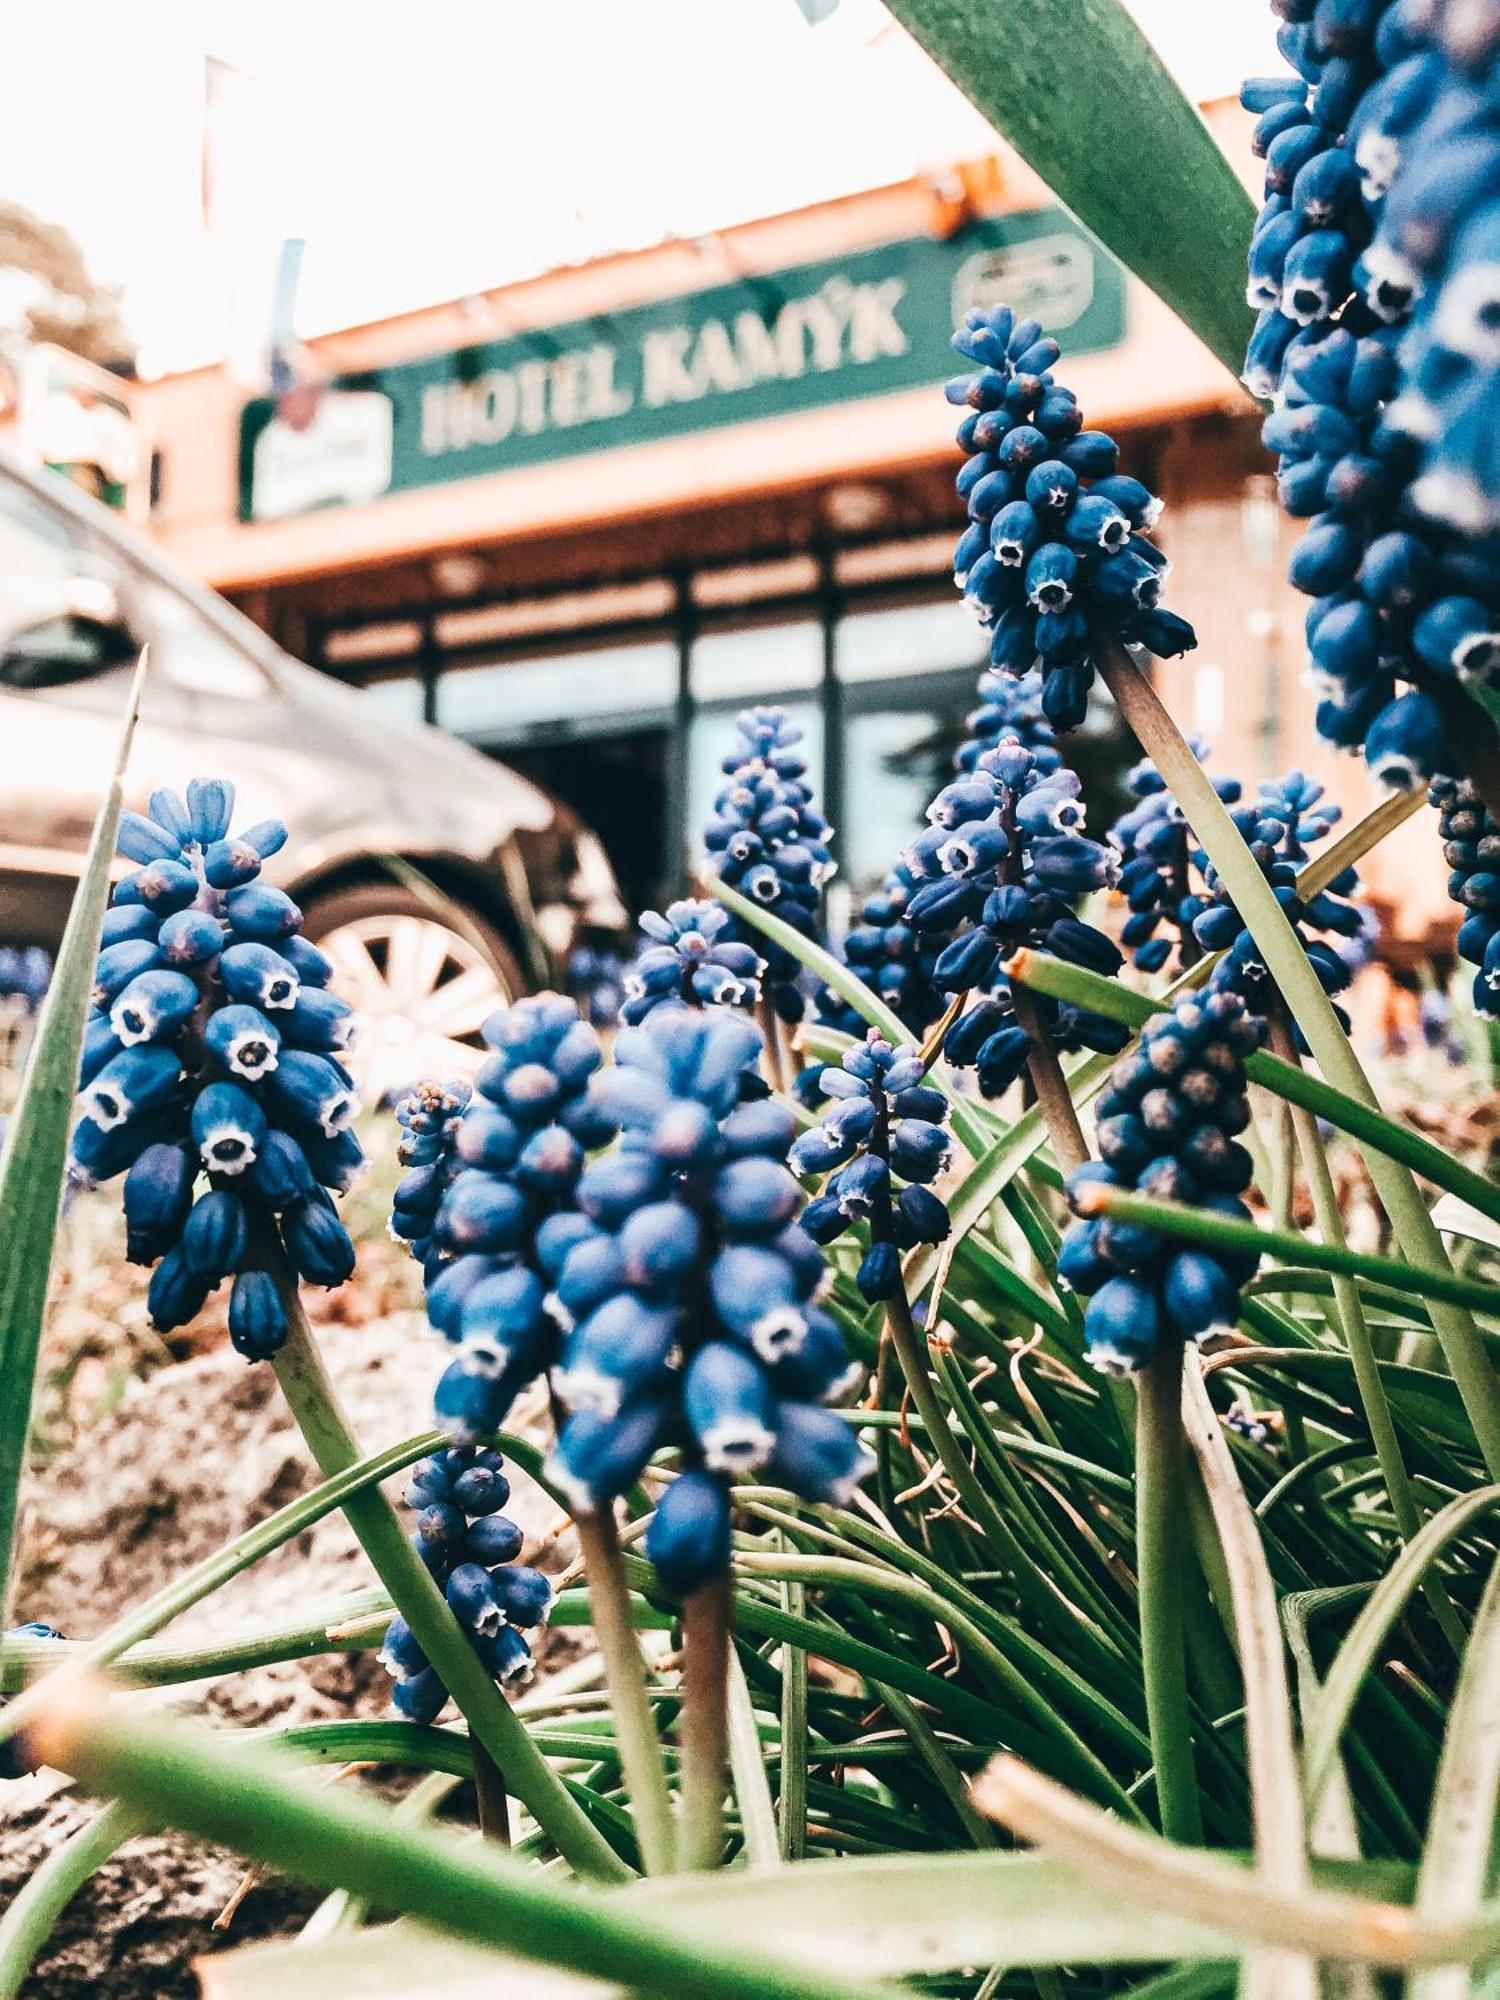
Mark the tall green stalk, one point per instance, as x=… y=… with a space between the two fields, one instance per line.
x=1299 y=985
x=1162 y=1554
x=625 y=1677
x=313 y=1401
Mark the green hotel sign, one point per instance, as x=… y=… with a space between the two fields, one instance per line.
x=863 y=325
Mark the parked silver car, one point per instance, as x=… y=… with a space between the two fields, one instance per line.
x=439 y=883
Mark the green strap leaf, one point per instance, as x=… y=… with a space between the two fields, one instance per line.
x=34 y=1163
x=1086 y=101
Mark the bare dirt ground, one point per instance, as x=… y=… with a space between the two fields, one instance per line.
x=190 y=1457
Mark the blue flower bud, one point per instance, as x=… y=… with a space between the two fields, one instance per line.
x=243 y=1041
x=260 y=977
x=141 y=839
x=313 y=1089
x=818 y=1454
x=493 y=1539
x=257 y=1317
x=176 y=1293
x=688 y=1539
x=123 y=921
x=215 y=1236
x=729 y=1407
x=599 y=1456
x=210 y=802
x=227 y=1127
x=158 y=1193
x=121 y=963
x=134 y=1083
x=316 y=1241
x=153 y=1007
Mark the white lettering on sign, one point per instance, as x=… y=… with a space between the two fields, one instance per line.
x=839 y=325
x=575 y=387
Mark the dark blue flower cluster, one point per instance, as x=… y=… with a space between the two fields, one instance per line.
x=470 y=1548
x=25 y=975
x=1471 y=848
x=15 y=1759
x=1158 y=856
x=1009 y=711
x=885 y=1124
x=1056 y=547
x=509 y=1170
x=429 y=1116
x=1400 y=607
x=1001 y=866
x=1437 y=245
x=891 y=956
x=1373 y=263
x=212 y=1049
x=691 y=959
x=1288 y=819
x=1168 y=1127
x=767 y=839
x=1328 y=166
x=690 y=1292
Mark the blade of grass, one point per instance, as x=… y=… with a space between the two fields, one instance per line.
x=479 y=1892
x=1297 y=980
x=33 y=1164
x=1359 y=1119
x=1275 y=1789
x=1330 y=1712
x=1149 y=180
x=1461 y=1831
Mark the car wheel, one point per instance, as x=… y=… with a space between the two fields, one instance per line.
x=421 y=980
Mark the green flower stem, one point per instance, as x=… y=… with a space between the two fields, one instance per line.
x=706 y=1615
x=1355 y=1330
x=794 y=1729
x=33 y=1912
x=1162 y=1553
x=1196 y=1225
x=313 y=1401
x=1069 y=1147
x=630 y=1704
x=179 y=1776
x=1298 y=983
x=1350 y=1114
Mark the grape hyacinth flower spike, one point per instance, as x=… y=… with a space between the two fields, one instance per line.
x=1057 y=546
x=1001 y=866
x=1168 y=1127
x=502 y=1171
x=885 y=1126
x=892 y=957
x=767 y=840
x=1286 y=822
x=690 y=958
x=212 y=1056
x=1158 y=863
x=471 y=1550
x=1471 y=847
x=692 y=1296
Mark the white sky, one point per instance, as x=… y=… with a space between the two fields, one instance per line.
x=427 y=150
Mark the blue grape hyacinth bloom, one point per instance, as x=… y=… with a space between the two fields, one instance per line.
x=1010 y=711
x=509 y=1164
x=882 y=1142
x=1471 y=847
x=1159 y=858
x=891 y=956
x=691 y=1295
x=1288 y=819
x=429 y=1115
x=1056 y=549
x=1168 y=1127
x=1001 y=866
x=211 y=1075
x=690 y=958
x=470 y=1549
x=767 y=839
x=1374 y=265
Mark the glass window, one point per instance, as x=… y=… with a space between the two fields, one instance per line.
x=401 y=699
x=60 y=619
x=624 y=685
x=909 y=639
x=756 y=662
x=713 y=737
x=895 y=761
